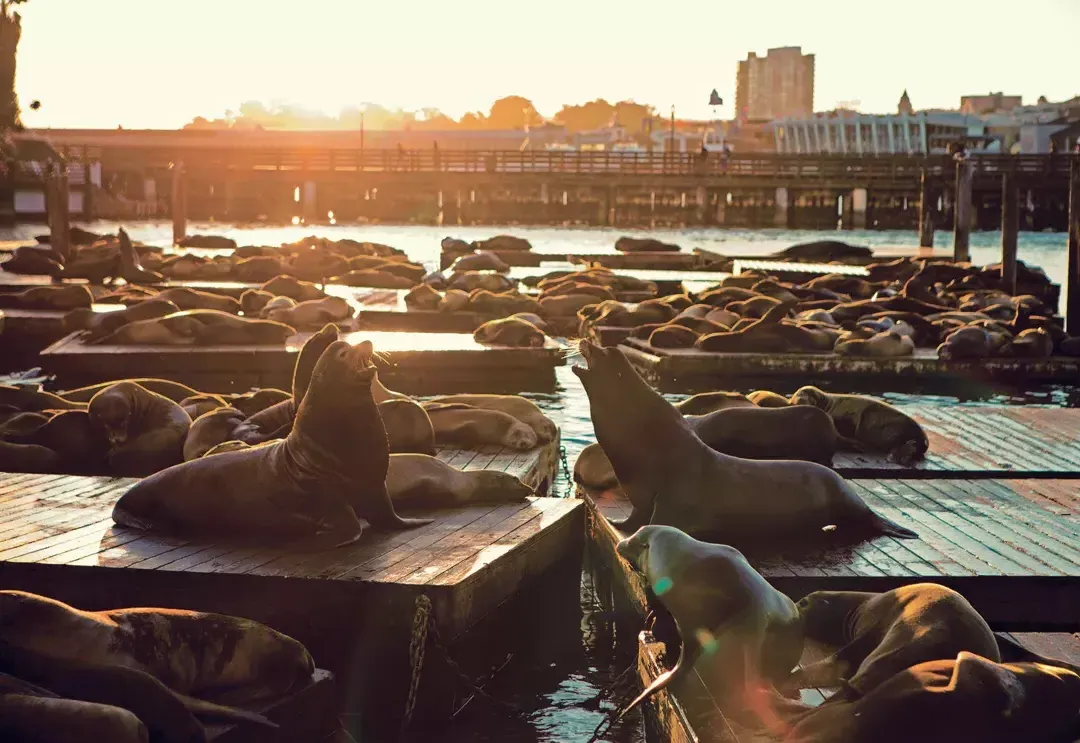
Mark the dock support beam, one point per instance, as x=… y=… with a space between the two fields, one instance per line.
x=1072 y=316
x=1010 y=226
x=926 y=213
x=962 y=226
x=56 y=206
x=179 y=203
x=701 y=200
x=308 y=201
x=721 y=208
x=859 y=197
x=780 y=218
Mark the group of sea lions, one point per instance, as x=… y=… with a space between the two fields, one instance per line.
x=96 y=258
x=962 y=311
x=917 y=662
x=135 y=675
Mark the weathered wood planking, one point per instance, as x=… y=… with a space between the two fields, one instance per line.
x=983 y=441
x=688 y=369
x=1012 y=547
x=420 y=363
x=305 y=714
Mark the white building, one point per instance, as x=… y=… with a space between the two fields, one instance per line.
x=850 y=133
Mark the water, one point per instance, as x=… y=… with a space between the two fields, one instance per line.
x=569 y=648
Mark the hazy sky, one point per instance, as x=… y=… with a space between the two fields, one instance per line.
x=158 y=63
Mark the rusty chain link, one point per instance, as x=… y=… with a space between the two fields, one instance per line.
x=417 y=646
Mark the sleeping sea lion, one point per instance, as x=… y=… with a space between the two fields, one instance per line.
x=767 y=399
x=145 y=430
x=467 y=427
x=767 y=335
x=78 y=398
x=509 y=331
x=31 y=400
x=877 y=635
x=191 y=299
x=738 y=633
x=196 y=405
x=56 y=297
x=329 y=470
x=707 y=402
x=290 y=286
x=521 y=408
x=869 y=425
x=672 y=477
x=408 y=427
x=593 y=469
x=101 y=324
x=887 y=344
x=217 y=427
x=43 y=717
x=422 y=481
x=791 y=432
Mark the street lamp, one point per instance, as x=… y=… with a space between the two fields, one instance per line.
x=672 y=127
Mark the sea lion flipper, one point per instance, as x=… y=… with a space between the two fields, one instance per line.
x=211 y=711
x=683 y=666
x=890 y=528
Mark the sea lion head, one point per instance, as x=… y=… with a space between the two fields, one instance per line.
x=278 y=662
x=493 y=486
x=602 y=366
x=309 y=356
x=635 y=548
x=112 y=408
x=829 y=616
x=810 y=396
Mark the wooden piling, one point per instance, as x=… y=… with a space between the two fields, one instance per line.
x=1072 y=316
x=56 y=206
x=179 y=203
x=1010 y=226
x=962 y=226
x=926 y=212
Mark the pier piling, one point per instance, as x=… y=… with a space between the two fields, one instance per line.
x=1072 y=316
x=1010 y=226
x=56 y=204
x=179 y=203
x=926 y=212
x=962 y=225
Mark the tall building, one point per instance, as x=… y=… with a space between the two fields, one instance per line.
x=992 y=103
x=778 y=85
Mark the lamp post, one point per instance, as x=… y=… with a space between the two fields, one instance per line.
x=672 y=127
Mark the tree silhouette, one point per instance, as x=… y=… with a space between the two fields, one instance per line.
x=10 y=32
x=513 y=112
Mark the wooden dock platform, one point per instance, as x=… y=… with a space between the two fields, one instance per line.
x=692 y=370
x=1012 y=547
x=353 y=607
x=416 y=363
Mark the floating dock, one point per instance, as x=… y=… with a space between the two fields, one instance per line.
x=353 y=607
x=693 y=370
x=416 y=363
x=1012 y=547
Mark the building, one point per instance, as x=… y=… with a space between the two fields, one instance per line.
x=904 y=106
x=851 y=133
x=991 y=103
x=778 y=85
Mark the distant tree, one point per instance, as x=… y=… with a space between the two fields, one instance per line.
x=513 y=112
x=586 y=116
x=633 y=116
x=10 y=32
x=473 y=120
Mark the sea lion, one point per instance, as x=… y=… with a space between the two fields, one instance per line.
x=197 y=405
x=877 y=635
x=644 y=244
x=78 y=398
x=102 y=324
x=65 y=297
x=22 y=424
x=672 y=477
x=511 y=332
x=672 y=335
x=131 y=270
x=257 y=268
x=145 y=430
x=31 y=400
x=480 y=261
x=216 y=427
x=521 y=408
x=213 y=242
x=171 y=330
x=454 y=300
x=422 y=481
x=471 y=280
x=887 y=344
x=969 y=698
x=77 y=441
x=43 y=717
x=224 y=329
x=1033 y=343
x=33 y=261
x=593 y=469
x=502 y=242
x=422 y=297
x=738 y=633
x=312 y=314
x=330 y=469
x=250 y=403
x=869 y=425
x=191 y=299
x=408 y=427
x=467 y=427
x=767 y=399
x=28 y=458
x=791 y=432
x=707 y=402
x=253 y=300
x=290 y=286
x=767 y=335
x=500 y=305
x=374 y=279
x=565 y=305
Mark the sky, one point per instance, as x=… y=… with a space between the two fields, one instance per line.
x=160 y=63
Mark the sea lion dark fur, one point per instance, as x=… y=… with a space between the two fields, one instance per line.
x=793 y=432
x=521 y=408
x=877 y=635
x=145 y=430
x=422 y=481
x=869 y=425
x=672 y=477
x=217 y=427
x=56 y=297
x=707 y=402
x=329 y=470
x=467 y=426
x=78 y=398
x=767 y=335
x=408 y=427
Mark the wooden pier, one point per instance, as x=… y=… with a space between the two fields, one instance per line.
x=693 y=370
x=353 y=607
x=1012 y=547
x=416 y=363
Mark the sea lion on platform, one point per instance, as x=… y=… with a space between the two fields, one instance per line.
x=422 y=481
x=250 y=403
x=31 y=261
x=224 y=329
x=183 y=330
x=61 y=297
x=707 y=402
x=196 y=654
x=480 y=261
x=422 y=297
x=145 y=430
x=593 y=469
x=253 y=300
x=131 y=270
x=500 y=305
x=767 y=335
x=870 y=425
x=191 y=299
x=509 y=331
x=31 y=400
x=216 y=427
x=968 y=342
x=408 y=427
x=329 y=470
x=454 y=300
x=791 y=432
x=672 y=335
x=885 y=345
x=257 y=268
x=292 y=287
x=39 y=716
x=75 y=438
x=825 y=251
x=28 y=458
x=877 y=635
x=197 y=405
x=23 y=424
x=77 y=398
x=767 y=399
x=312 y=314
x=738 y=633
x=1033 y=343
x=374 y=279
x=212 y=242
x=523 y=409
x=100 y=325
x=672 y=477
x=466 y=426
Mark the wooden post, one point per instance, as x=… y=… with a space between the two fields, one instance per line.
x=1010 y=226
x=962 y=225
x=56 y=207
x=179 y=203
x=1072 y=315
x=926 y=213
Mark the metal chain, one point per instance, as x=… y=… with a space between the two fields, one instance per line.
x=566 y=472
x=464 y=677
x=417 y=646
x=609 y=719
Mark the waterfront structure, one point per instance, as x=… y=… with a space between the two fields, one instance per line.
x=991 y=103
x=780 y=84
x=852 y=133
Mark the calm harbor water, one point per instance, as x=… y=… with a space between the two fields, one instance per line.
x=561 y=662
